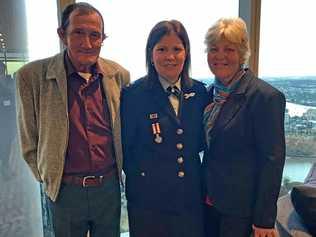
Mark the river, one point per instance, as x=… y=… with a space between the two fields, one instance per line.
x=296 y=109
x=296 y=169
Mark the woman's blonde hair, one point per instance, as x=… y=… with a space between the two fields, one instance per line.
x=233 y=30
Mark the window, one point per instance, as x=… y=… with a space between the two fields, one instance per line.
x=128 y=25
x=128 y=29
x=42 y=38
x=25 y=38
x=287 y=48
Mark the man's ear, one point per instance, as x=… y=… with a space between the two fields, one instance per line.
x=62 y=35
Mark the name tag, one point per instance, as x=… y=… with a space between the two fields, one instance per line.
x=6 y=102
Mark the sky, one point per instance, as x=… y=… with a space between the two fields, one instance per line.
x=287 y=39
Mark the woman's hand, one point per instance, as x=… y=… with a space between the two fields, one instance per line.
x=264 y=232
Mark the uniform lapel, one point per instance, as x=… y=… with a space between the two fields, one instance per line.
x=161 y=99
x=187 y=96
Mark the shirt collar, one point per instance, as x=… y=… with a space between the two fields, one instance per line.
x=70 y=69
x=165 y=83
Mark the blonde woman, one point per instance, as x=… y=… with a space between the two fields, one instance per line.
x=244 y=127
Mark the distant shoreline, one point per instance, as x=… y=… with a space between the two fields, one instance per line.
x=313 y=105
x=301 y=158
x=308 y=105
x=295 y=109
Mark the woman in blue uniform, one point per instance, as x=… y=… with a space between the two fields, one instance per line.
x=162 y=136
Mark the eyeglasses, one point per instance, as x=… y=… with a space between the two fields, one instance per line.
x=94 y=36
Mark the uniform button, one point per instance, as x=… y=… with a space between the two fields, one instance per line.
x=180 y=160
x=179 y=146
x=143 y=174
x=180 y=174
x=179 y=131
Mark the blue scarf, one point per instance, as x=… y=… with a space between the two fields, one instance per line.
x=220 y=96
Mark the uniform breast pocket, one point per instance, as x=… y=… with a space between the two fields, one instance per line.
x=154 y=129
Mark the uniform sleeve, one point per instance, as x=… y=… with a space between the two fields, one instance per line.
x=27 y=124
x=270 y=147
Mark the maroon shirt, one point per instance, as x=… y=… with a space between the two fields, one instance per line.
x=90 y=144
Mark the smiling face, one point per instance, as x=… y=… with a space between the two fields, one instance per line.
x=83 y=39
x=224 y=60
x=168 y=56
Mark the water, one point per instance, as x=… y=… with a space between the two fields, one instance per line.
x=296 y=109
x=296 y=169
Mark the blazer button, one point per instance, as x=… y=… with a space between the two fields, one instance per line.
x=179 y=146
x=143 y=174
x=180 y=174
x=180 y=160
x=179 y=131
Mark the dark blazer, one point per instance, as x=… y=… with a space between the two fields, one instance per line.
x=164 y=175
x=244 y=164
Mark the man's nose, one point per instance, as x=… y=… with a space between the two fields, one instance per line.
x=86 y=41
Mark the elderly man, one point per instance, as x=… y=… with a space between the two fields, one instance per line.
x=69 y=124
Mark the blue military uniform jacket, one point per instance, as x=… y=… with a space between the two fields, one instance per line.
x=161 y=150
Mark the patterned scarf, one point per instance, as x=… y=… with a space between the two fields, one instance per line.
x=220 y=96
